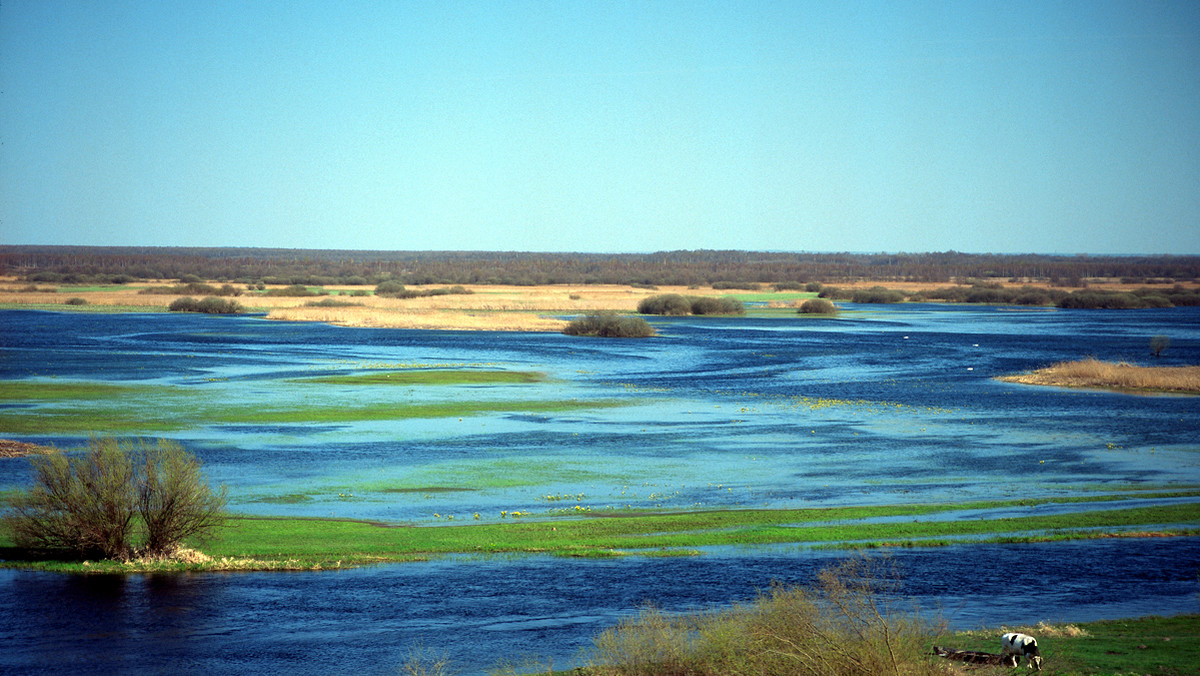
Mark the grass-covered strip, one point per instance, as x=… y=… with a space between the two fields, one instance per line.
x=309 y=543
x=325 y=540
x=445 y=409
x=108 y=419
x=119 y=409
x=431 y=377
x=42 y=390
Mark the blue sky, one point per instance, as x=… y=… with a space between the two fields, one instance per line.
x=1008 y=127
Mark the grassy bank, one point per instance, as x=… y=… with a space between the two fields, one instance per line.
x=1109 y=375
x=1148 y=645
x=311 y=543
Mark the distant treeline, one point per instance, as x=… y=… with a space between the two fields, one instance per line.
x=1143 y=297
x=733 y=269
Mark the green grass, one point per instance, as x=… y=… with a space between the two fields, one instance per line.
x=446 y=409
x=42 y=390
x=1148 y=645
x=64 y=307
x=321 y=542
x=122 y=409
x=431 y=377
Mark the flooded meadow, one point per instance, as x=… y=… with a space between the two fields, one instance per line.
x=884 y=405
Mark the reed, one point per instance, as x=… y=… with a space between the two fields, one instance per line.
x=1121 y=375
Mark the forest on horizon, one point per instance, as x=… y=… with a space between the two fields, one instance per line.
x=79 y=264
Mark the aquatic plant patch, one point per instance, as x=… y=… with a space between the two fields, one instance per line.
x=446 y=409
x=42 y=390
x=431 y=377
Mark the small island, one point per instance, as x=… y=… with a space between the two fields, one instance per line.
x=1121 y=376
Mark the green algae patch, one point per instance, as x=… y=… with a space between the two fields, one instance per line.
x=444 y=409
x=106 y=420
x=431 y=377
x=46 y=390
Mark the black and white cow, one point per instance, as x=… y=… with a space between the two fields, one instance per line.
x=1021 y=645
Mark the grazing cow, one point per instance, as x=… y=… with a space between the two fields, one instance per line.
x=1021 y=645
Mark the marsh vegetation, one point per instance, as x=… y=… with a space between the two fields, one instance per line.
x=609 y=325
x=1119 y=375
x=747 y=446
x=678 y=305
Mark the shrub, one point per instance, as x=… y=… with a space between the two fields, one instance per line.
x=877 y=294
x=1158 y=344
x=818 y=306
x=717 y=306
x=76 y=301
x=609 y=325
x=845 y=624
x=392 y=289
x=331 y=302
x=389 y=288
x=210 y=305
x=673 y=304
x=117 y=499
x=295 y=291
x=1102 y=300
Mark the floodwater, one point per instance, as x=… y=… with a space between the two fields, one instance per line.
x=885 y=405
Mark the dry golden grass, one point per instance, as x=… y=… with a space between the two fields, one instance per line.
x=486 y=307
x=1121 y=375
x=16 y=449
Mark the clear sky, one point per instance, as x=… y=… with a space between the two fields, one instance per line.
x=612 y=126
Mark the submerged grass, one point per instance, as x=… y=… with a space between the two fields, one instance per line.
x=42 y=390
x=67 y=407
x=431 y=377
x=445 y=409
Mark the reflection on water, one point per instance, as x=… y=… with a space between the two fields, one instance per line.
x=477 y=611
x=895 y=405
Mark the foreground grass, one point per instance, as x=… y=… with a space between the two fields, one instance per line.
x=1120 y=376
x=265 y=543
x=1148 y=645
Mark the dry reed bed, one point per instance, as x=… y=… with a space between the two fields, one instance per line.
x=1121 y=375
x=486 y=307
x=402 y=318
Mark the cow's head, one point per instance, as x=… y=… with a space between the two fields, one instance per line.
x=1036 y=662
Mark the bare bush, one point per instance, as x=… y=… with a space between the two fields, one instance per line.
x=117 y=500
